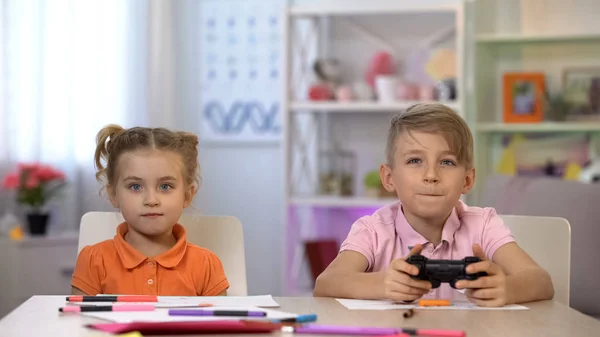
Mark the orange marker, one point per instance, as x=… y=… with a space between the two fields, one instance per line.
x=204 y=305
x=434 y=303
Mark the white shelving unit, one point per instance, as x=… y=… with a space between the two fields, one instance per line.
x=350 y=31
x=358 y=107
x=525 y=35
x=532 y=38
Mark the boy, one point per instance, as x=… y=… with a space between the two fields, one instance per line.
x=429 y=166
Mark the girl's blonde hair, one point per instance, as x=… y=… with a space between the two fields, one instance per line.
x=113 y=140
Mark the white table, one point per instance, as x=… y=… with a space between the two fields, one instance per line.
x=38 y=317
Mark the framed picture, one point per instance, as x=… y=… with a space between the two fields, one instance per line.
x=582 y=89
x=523 y=97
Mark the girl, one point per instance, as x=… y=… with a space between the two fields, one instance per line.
x=151 y=175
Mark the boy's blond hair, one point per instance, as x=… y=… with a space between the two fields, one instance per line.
x=433 y=118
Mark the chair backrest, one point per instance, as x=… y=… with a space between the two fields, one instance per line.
x=548 y=241
x=223 y=235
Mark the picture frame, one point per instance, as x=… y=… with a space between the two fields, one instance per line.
x=581 y=87
x=523 y=97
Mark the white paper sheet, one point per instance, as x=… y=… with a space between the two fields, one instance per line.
x=263 y=301
x=162 y=315
x=389 y=305
x=372 y=305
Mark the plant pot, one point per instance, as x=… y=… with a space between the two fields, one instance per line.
x=37 y=223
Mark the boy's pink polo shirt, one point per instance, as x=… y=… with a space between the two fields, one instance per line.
x=386 y=235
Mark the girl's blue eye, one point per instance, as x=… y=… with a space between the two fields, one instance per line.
x=448 y=162
x=414 y=161
x=135 y=187
x=165 y=187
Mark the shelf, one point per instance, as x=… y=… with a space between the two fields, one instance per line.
x=539 y=127
x=359 y=107
x=523 y=38
x=341 y=202
x=376 y=7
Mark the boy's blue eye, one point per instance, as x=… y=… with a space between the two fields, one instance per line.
x=135 y=187
x=414 y=161
x=448 y=162
x=165 y=187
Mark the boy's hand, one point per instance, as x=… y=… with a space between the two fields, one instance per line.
x=398 y=283
x=486 y=291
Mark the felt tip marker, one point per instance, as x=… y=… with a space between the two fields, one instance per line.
x=92 y=308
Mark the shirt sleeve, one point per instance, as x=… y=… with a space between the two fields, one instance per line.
x=215 y=281
x=495 y=234
x=361 y=239
x=88 y=268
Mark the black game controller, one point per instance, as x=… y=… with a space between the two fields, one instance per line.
x=448 y=271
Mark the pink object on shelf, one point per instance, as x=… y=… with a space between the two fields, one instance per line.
x=344 y=93
x=382 y=63
x=320 y=92
x=406 y=91
x=427 y=93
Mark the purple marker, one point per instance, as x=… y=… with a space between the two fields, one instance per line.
x=196 y=312
x=344 y=330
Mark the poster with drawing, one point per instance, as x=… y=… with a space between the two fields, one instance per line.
x=241 y=52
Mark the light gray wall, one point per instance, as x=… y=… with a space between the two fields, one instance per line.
x=242 y=180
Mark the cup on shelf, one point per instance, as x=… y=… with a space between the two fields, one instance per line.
x=344 y=93
x=386 y=88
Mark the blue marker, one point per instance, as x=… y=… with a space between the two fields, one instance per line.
x=300 y=319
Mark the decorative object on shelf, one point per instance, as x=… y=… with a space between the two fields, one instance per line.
x=386 y=88
x=590 y=173
x=581 y=87
x=406 y=91
x=557 y=107
x=35 y=184
x=372 y=182
x=543 y=155
x=381 y=63
x=320 y=92
x=446 y=89
x=523 y=95
x=374 y=188
x=329 y=77
x=10 y=227
x=572 y=172
x=336 y=172
x=441 y=64
x=426 y=92
x=344 y=93
x=328 y=71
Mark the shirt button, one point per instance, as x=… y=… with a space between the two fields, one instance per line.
x=150 y=264
x=150 y=281
x=430 y=249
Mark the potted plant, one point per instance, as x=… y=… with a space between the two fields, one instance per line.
x=372 y=184
x=35 y=185
x=557 y=107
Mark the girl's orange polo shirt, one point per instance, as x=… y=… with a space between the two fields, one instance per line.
x=115 y=267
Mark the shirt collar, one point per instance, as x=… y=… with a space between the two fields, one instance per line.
x=410 y=237
x=131 y=257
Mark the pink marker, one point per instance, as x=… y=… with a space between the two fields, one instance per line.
x=90 y=308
